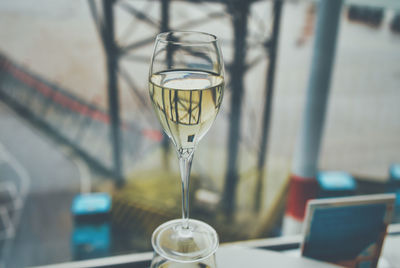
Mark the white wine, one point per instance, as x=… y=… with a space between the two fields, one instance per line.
x=186 y=103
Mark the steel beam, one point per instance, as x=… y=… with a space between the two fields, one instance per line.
x=111 y=52
x=272 y=50
x=239 y=11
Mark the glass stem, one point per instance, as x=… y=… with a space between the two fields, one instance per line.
x=185 y=163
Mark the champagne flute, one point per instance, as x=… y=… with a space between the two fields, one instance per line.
x=186 y=86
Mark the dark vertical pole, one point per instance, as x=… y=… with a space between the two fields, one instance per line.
x=164 y=16
x=113 y=102
x=165 y=28
x=272 y=48
x=239 y=11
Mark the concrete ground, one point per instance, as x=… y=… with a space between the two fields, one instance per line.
x=46 y=180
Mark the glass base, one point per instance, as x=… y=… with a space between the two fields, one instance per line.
x=176 y=243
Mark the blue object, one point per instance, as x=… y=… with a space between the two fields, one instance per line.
x=394 y=172
x=91 y=241
x=397 y=200
x=90 y=204
x=96 y=235
x=336 y=183
x=393 y=186
x=336 y=180
x=343 y=233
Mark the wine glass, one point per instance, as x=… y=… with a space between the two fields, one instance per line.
x=186 y=86
x=159 y=261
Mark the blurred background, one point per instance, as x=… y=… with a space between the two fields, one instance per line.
x=85 y=170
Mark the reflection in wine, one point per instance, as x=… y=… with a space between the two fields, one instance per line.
x=186 y=103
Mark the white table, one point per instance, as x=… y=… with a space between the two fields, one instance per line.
x=239 y=257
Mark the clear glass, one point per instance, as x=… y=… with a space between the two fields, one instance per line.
x=186 y=86
x=159 y=261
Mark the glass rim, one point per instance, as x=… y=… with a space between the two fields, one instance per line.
x=178 y=222
x=162 y=37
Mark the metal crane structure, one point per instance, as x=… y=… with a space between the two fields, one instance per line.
x=239 y=12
